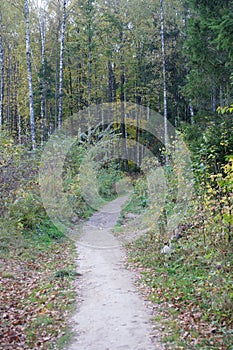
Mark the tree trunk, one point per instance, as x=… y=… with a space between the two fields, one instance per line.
x=29 y=69
x=17 y=114
x=89 y=63
x=14 y=113
x=89 y=70
x=8 y=91
x=191 y=110
x=71 y=96
x=138 y=101
x=111 y=83
x=60 y=112
x=137 y=158
x=125 y=162
x=43 y=90
x=19 y=129
x=164 y=81
x=2 y=69
x=56 y=107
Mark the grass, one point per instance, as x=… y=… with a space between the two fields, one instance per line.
x=65 y=339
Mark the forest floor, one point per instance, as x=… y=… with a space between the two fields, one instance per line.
x=109 y=287
x=36 y=292
x=112 y=314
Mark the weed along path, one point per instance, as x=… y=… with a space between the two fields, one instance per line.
x=111 y=315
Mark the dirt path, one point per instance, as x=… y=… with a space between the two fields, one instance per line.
x=111 y=316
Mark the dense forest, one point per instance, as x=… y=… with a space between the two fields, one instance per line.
x=82 y=53
x=62 y=60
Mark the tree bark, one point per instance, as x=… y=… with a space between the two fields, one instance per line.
x=89 y=63
x=71 y=95
x=191 y=110
x=29 y=69
x=14 y=116
x=43 y=90
x=111 y=83
x=2 y=70
x=8 y=90
x=125 y=162
x=164 y=80
x=89 y=69
x=60 y=112
x=56 y=107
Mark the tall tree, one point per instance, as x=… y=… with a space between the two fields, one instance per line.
x=164 y=80
x=209 y=53
x=2 y=70
x=42 y=25
x=29 y=69
x=90 y=34
x=60 y=112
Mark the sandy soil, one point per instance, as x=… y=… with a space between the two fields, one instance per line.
x=112 y=315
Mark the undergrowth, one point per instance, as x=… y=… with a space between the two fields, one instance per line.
x=37 y=260
x=35 y=296
x=191 y=286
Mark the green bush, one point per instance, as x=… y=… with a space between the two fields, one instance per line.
x=27 y=210
x=139 y=200
x=107 y=177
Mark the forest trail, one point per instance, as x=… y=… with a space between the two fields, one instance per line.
x=112 y=315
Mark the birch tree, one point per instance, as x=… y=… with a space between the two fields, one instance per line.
x=164 y=80
x=57 y=59
x=60 y=112
x=41 y=20
x=29 y=70
x=89 y=24
x=2 y=68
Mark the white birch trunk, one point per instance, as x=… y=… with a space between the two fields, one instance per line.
x=19 y=129
x=56 y=107
x=164 y=80
x=29 y=69
x=89 y=71
x=89 y=67
x=43 y=92
x=191 y=112
x=2 y=69
x=60 y=111
x=8 y=90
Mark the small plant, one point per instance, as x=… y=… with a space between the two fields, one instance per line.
x=6 y=274
x=139 y=200
x=65 y=273
x=26 y=210
x=107 y=177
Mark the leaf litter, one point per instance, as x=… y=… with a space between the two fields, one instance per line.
x=34 y=302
